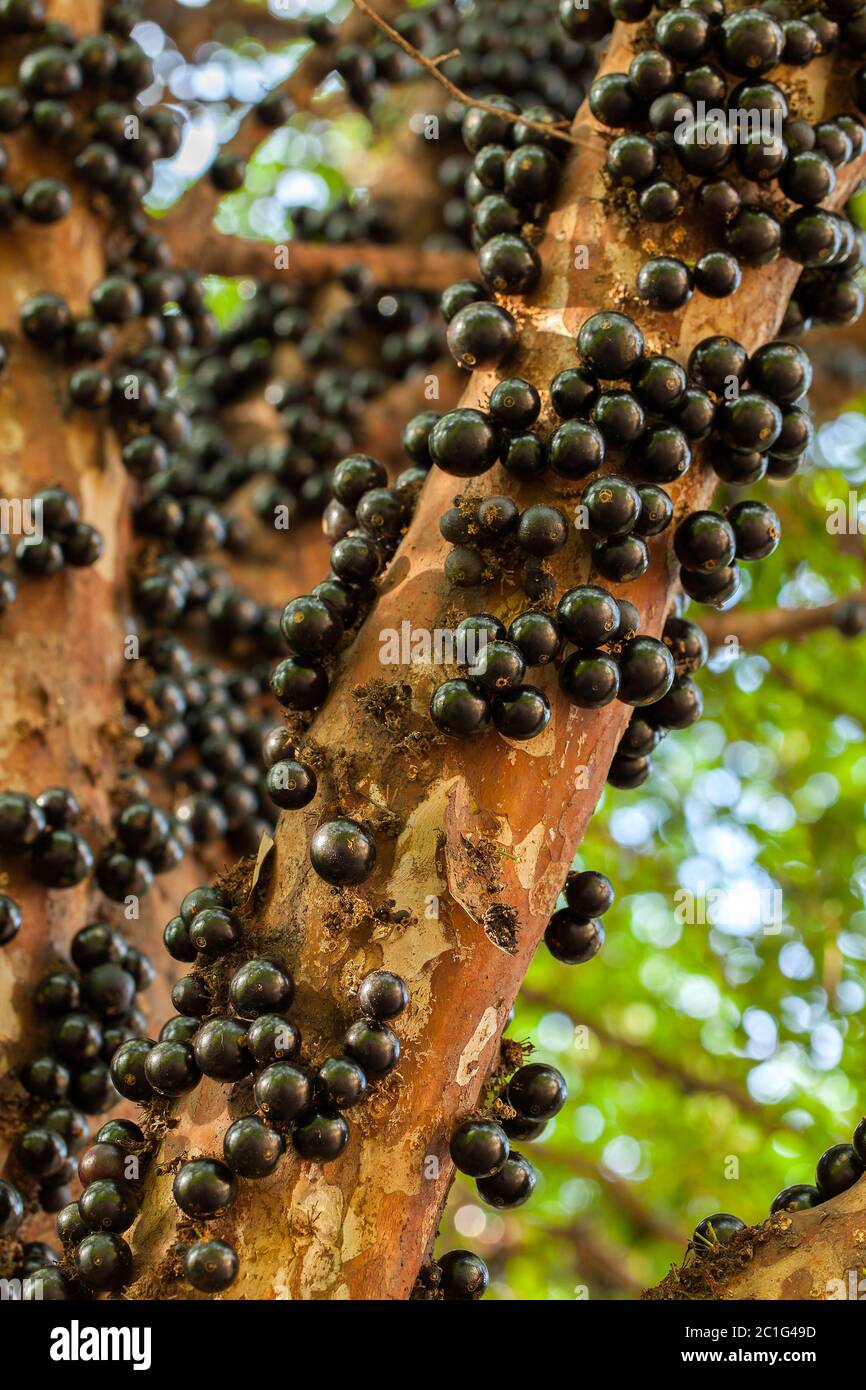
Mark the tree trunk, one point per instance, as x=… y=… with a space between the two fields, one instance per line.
x=474 y=839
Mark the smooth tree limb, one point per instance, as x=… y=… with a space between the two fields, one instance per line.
x=474 y=838
x=755 y=627
x=815 y=1255
x=398 y=267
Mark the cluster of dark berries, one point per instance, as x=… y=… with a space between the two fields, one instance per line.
x=91 y=1010
x=574 y=933
x=678 y=708
x=147 y=841
x=515 y=174
x=58 y=855
x=839 y=1167
x=203 y=726
x=59 y=538
x=676 y=150
x=481 y=1148
x=296 y=1100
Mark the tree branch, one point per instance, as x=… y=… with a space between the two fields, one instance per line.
x=642 y=1218
x=807 y=1255
x=315 y=263
x=756 y=628
x=686 y=1081
x=433 y=66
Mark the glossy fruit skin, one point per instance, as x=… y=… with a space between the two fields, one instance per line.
x=382 y=995
x=656 y=510
x=621 y=559
x=213 y=932
x=589 y=893
x=342 y=852
x=251 y=1148
x=204 y=1188
x=662 y=454
x=21 y=822
x=619 y=416
x=127 y=1069
x=210 y=1266
x=646 y=671
x=340 y=1083
x=782 y=371
x=320 y=1138
x=572 y=938
x=511 y=1186
x=590 y=678
x=197 y=899
x=509 y=264
x=717 y=588
x=705 y=541
x=460 y=708
x=751 y=422
x=717 y=362
x=515 y=404
x=659 y=383
x=687 y=643
x=537 y=637
x=220 y=1049
x=283 y=1091
x=718 y=274
x=11 y=1208
x=750 y=43
x=102 y=1160
x=481 y=335
x=665 y=283
x=610 y=344
x=800 y=1197
x=479 y=1148
x=498 y=667
x=521 y=713
x=463 y=1276
x=191 y=996
x=576 y=449
x=573 y=392
x=859 y=1142
x=291 y=784
x=542 y=530
x=589 y=616
x=300 y=685
x=70 y=1227
x=171 y=1068
x=271 y=1038
x=838 y=1169
x=310 y=626
x=537 y=1091
x=715 y=1230
x=613 y=506
x=103 y=1262
x=373 y=1045
x=681 y=707
x=107 y=1205
x=756 y=529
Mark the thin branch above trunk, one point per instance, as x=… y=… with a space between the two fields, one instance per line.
x=314 y=263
